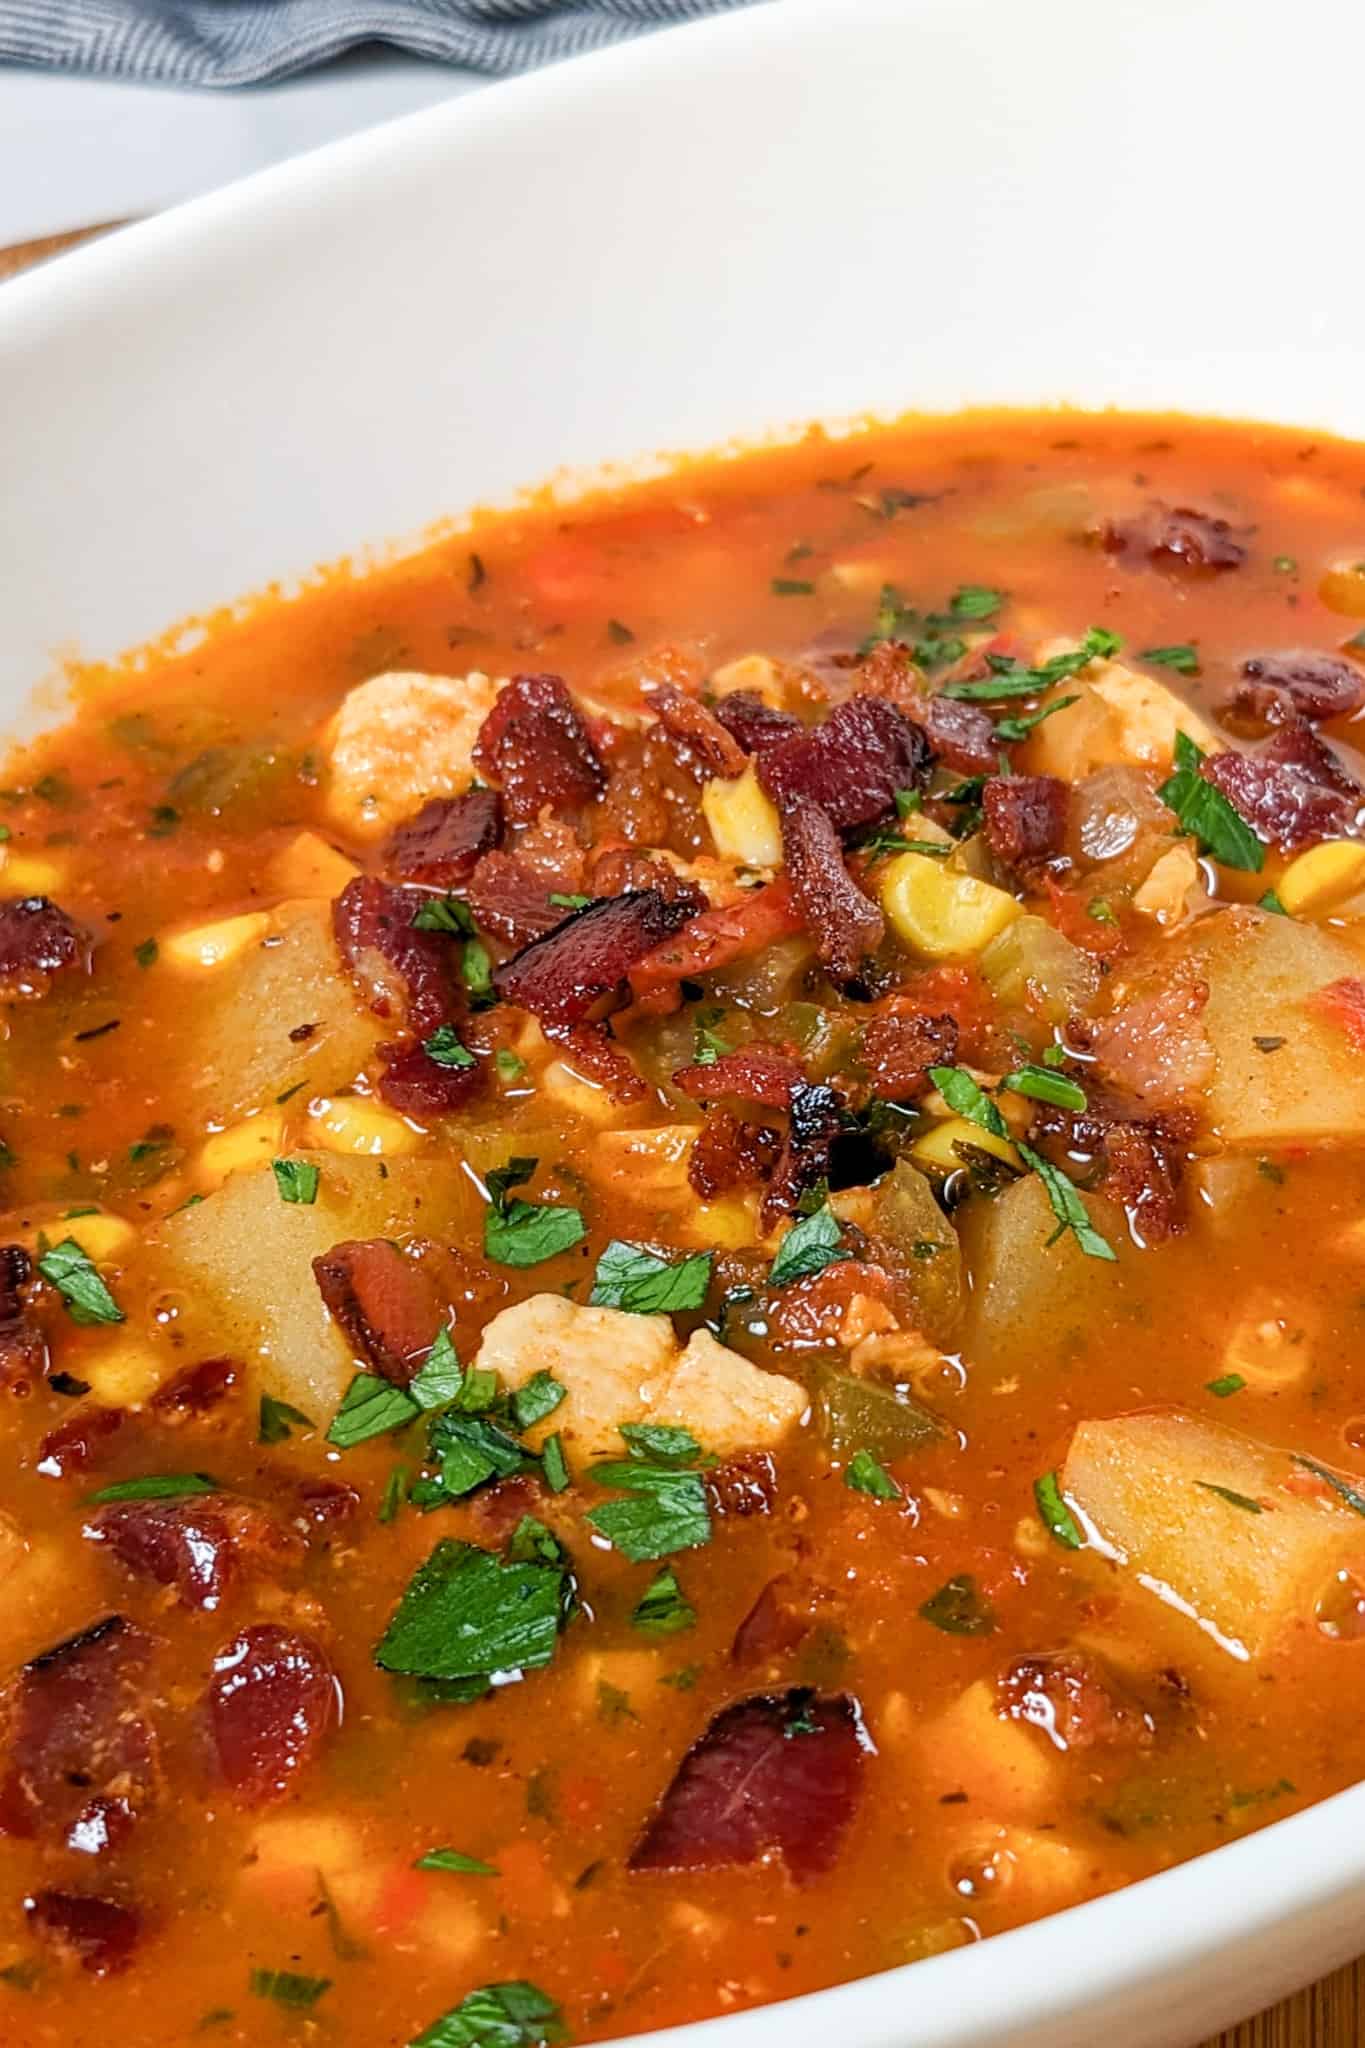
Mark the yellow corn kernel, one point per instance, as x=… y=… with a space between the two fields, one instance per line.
x=241 y=1146
x=572 y=1091
x=353 y=1123
x=751 y=672
x=935 y=1153
x=1324 y=876
x=29 y=874
x=743 y=819
x=100 y=1236
x=939 y=912
x=308 y=866
x=727 y=1225
x=125 y=1375
x=209 y=945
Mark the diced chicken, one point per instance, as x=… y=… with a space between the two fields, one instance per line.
x=1120 y=715
x=620 y=1368
x=400 y=738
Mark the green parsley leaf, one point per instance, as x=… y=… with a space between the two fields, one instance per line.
x=1234 y=1499
x=532 y=1543
x=158 y=1486
x=466 y=1614
x=519 y=1233
x=453 y=1860
x=908 y=801
x=1101 y=910
x=966 y=1097
x=476 y=968
x=959 y=1609
x=1043 y=1084
x=1057 y=1516
x=1009 y=680
x=662 y=1609
x=278 y=1421
x=630 y=1277
x=864 y=1475
x=470 y=1450
x=1340 y=1487
x=288 y=1988
x=1020 y=727
x=1226 y=1383
x=553 y=1464
x=445 y=914
x=445 y=1048
x=974 y=601
x=1067 y=1207
x=395 y=1493
x=1183 y=659
x=791 y=586
x=812 y=1243
x=661 y=1443
x=370 y=1407
x=664 y=1508
x=509 y=1064
x=73 y=1275
x=1270 y=901
x=539 y=1397
x=619 y=635
x=1205 y=813
x=146 y=954
x=296 y=1180
x=440 y=1378
x=564 y=901
x=513 y=2015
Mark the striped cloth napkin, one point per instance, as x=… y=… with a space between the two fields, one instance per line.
x=249 y=42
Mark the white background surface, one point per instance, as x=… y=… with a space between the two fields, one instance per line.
x=78 y=150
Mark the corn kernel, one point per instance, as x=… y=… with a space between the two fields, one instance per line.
x=935 y=1150
x=308 y=866
x=743 y=820
x=353 y=1123
x=241 y=1146
x=209 y=945
x=100 y=1236
x=939 y=912
x=28 y=874
x=125 y=1375
x=1323 y=876
x=573 y=1092
x=751 y=672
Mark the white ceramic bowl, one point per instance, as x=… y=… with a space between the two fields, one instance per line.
x=808 y=210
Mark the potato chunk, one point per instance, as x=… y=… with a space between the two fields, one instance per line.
x=401 y=738
x=1028 y=1291
x=620 y=1368
x=1120 y=715
x=1238 y=1536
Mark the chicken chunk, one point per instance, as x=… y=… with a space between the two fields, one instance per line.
x=399 y=739
x=1119 y=715
x=627 y=1368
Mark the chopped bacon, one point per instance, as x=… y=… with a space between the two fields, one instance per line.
x=755 y=1073
x=418 y=1085
x=1071 y=913
x=961 y=993
x=1293 y=793
x=617 y=870
x=1177 y=538
x=76 y=1731
x=744 y=1485
x=1075 y=1700
x=100 y=1934
x=852 y=765
x=752 y=723
x=562 y=976
x=1155 y=1048
x=442 y=843
x=497 y=1510
x=102 y=1826
x=844 y=924
x=959 y=732
x=509 y=899
x=782 y=1617
x=1141 y=1157
x=23 y=1347
x=271 y=1705
x=1343 y=1004
x=535 y=746
x=386 y=1305
x=200 y=1546
x=593 y=1051
x=699 y=733
x=728 y=1153
x=73 y=1446
x=328 y=1500
x=1277 y=689
x=776 y=1774
x=719 y=936
x=1025 y=818
x=374 y=930
x=815 y=1122
x=37 y=941
x=815 y=1309
x=196 y=1389
x=899 y=1048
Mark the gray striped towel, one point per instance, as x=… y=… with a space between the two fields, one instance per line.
x=249 y=42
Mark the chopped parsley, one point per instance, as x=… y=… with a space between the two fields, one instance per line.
x=1056 y=1515
x=1231 y=1496
x=663 y=1506
x=158 y=1486
x=520 y=1233
x=662 y=1609
x=1019 y=728
x=510 y=1065
x=864 y=1475
x=812 y=1243
x=444 y=1046
x=72 y=1272
x=455 y=1861
x=513 y=2015
x=146 y=954
x=539 y=1397
x=1205 y=813
x=289 y=1988
x=372 y=1406
x=967 y=1098
x=630 y=1277
x=467 y=1615
x=1227 y=1383
x=1184 y=659
x=563 y=901
x=959 y=1608
x=297 y=1180
x=1270 y=901
x=1068 y=1208
x=618 y=634
x=1044 y=1084
x=1008 y=679
x=278 y=1421
x=792 y=586
x=1340 y=1487
x=554 y=1465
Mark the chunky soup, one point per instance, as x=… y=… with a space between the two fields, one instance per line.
x=683 y=1264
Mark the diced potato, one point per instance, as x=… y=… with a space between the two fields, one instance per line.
x=1246 y=1568
x=401 y=738
x=244 y=1050
x=1028 y=1291
x=1263 y=973
x=1229 y=1191
x=750 y=672
x=308 y=866
x=1169 y=891
x=561 y=1084
x=1120 y=715
x=939 y=912
x=356 y=1123
x=936 y=1151
x=1005 y=1768
x=29 y=874
x=922 y=1246
x=241 y=1146
x=244 y=1259
x=203 y=946
x=1322 y=877
x=743 y=819
x=1030 y=964
x=292 y=1853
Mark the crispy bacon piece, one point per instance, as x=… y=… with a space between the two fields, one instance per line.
x=1075 y=1700
x=496 y=1511
x=754 y=725
x=386 y=1305
x=781 y=1618
x=99 y=1934
x=719 y=936
x=1154 y=1048
x=374 y=931
x=961 y=993
x=562 y=976
x=420 y=1086
x=1141 y=1157
x=845 y=925
x=1293 y=793
x=815 y=1309
x=852 y=765
x=617 y=870
x=815 y=1122
x=779 y=1773
x=76 y=1730
x=1025 y=818
x=755 y=1073
x=442 y=843
x=271 y=1705
x=328 y=1500
x=728 y=1153
x=593 y=1051
x=535 y=746
x=510 y=900
x=1277 y=689
x=899 y=1048
x=697 y=731
x=959 y=732
x=37 y=942
x=744 y=1485
x=23 y=1347
x=200 y=1546
x=1177 y=538
x=74 y=1445
x=196 y=1389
